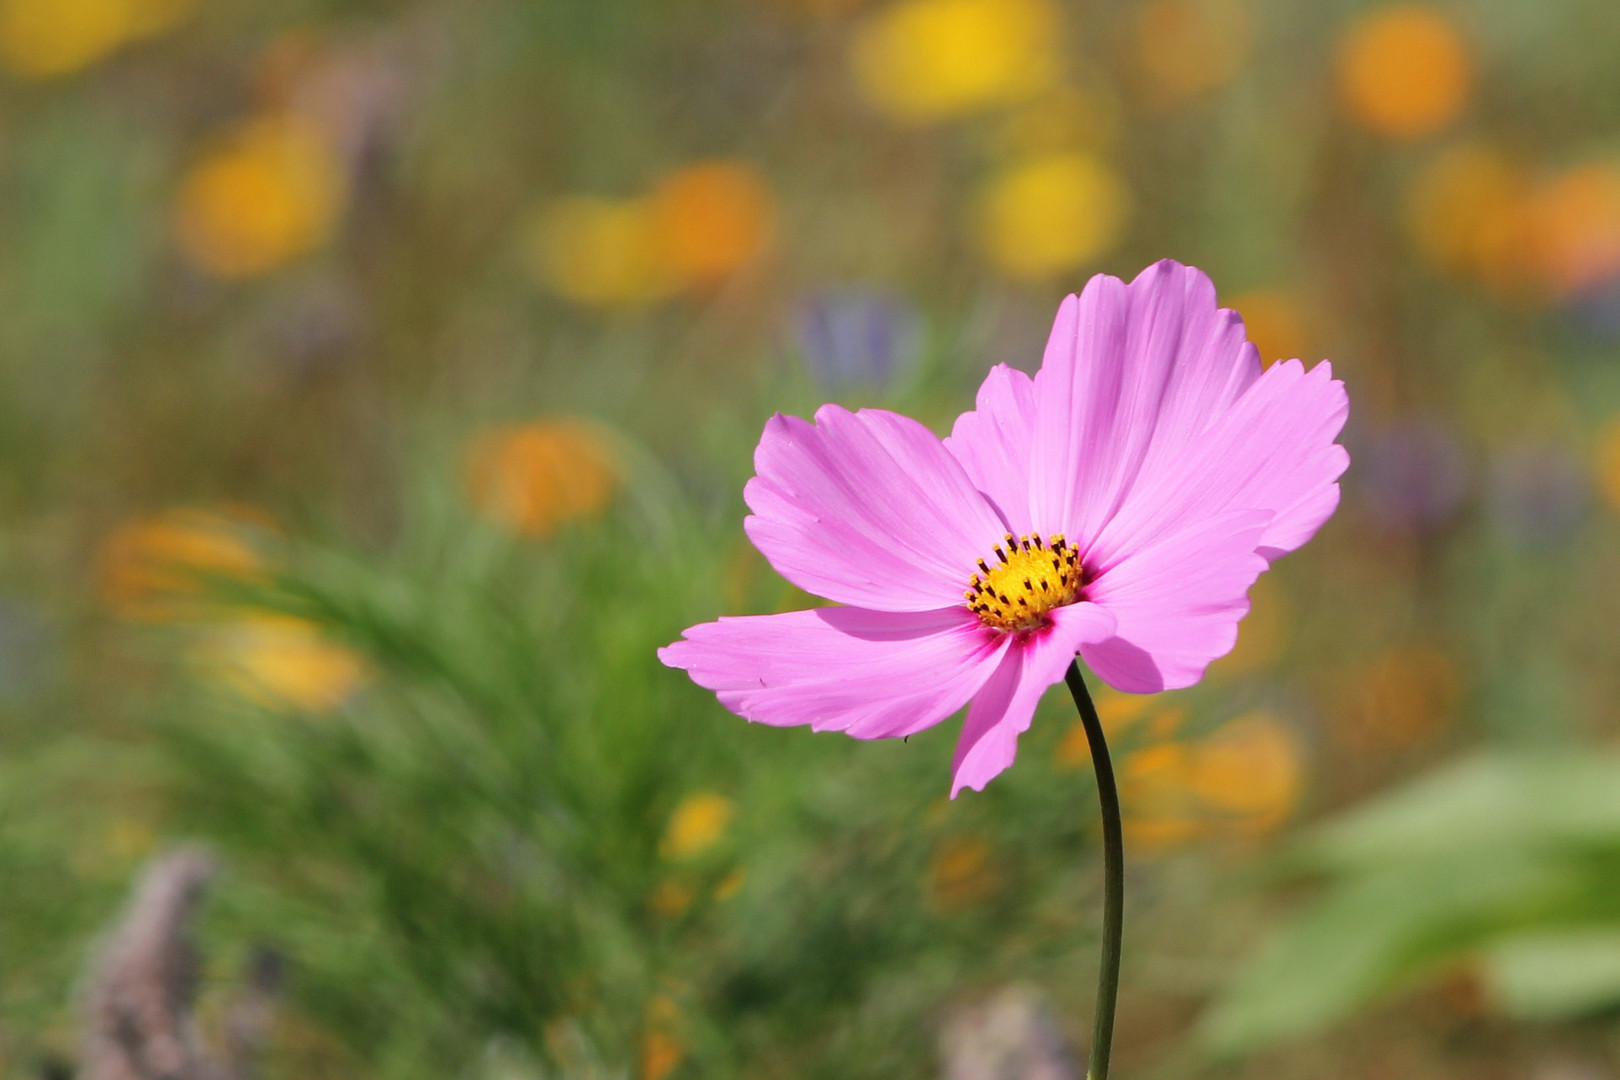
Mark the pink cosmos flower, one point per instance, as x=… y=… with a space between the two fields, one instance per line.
x=1118 y=505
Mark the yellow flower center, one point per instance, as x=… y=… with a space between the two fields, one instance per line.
x=1025 y=578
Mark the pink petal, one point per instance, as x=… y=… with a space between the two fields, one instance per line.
x=867 y=508
x=1177 y=602
x=872 y=674
x=993 y=443
x=1132 y=373
x=1002 y=711
x=1272 y=450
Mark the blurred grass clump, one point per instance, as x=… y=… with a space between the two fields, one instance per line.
x=377 y=386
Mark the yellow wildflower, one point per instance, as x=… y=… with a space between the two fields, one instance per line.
x=927 y=60
x=159 y=567
x=1273 y=321
x=534 y=477
x=1242 y=780
x=1404 y=71
x=661 y=1051
x=40 y=39
x=1251 y=770
x=697 y=825
x=1608 y=461
x=1573 y=227
x=597 y=251
x=1464 y=212
x=1156 y=798
x=1265 y=629
x=112 y=847
x=271 y=193
x=1118 y=714
x=282 y=661
x=1050 y=215
x=712 y=218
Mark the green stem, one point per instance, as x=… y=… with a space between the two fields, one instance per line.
x=1102 y=1036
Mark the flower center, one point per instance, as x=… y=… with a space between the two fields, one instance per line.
x=1025 y=578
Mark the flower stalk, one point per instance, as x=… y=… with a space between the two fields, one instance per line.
x=1102 y=1036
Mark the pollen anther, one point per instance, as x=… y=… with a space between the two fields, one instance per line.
x=1033 y=575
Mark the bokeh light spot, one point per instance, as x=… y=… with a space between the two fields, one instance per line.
x=927 y=60
x=160 y=567
x=40 y=39
x=1607 y=463
x=1573 y=227
x=1404 y=71
x=712 y=219
x=1252 y=769
x=599 y=251
x=1052 y=214
x=280 y=661
x=272 y=193
x=1274 y=322
x=534 y=477
x=1463 y=215
x=699 y=823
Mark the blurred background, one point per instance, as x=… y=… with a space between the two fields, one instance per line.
x=378 y=379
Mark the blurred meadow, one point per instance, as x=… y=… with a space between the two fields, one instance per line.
x=378 y=380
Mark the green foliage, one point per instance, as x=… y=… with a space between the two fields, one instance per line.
x=469 y=860
x=1508 y=862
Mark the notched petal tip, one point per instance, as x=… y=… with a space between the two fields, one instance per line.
x=671 y=655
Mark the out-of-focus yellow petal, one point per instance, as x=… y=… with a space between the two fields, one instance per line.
x=661 y=1050
x=1252 y=770
x=660 y=1054
x=534 y=477
x=1156 y=798
x=601 y=252
x=1607 y=463
x=1404 y=71
x=1274 y=322
x=1572 y=227
x=1264 y=632
x=927 y=60
x=40 y=39
x=1050 y=215
x=699 y=822
x=271 y=193
x=1464 y=212
x=1119 y=714
x=159 y=567
x=281 y=661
